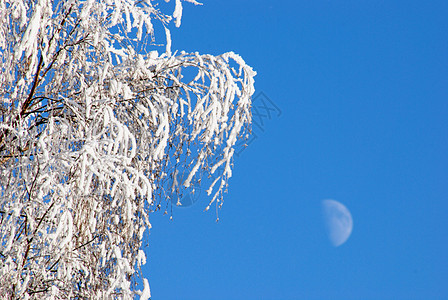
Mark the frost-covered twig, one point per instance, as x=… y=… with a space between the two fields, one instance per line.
x=93 y=123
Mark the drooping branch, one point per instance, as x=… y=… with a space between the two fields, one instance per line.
x=97 y=130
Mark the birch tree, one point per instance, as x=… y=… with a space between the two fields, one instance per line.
x=94 y=121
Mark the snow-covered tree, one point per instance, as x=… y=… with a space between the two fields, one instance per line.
x=93 y=124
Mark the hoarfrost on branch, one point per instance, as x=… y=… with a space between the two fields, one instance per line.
x=93 y=123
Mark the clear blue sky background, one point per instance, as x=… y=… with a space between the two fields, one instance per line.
x=363 y=92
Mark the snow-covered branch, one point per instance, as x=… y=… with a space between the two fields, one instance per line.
x=93 y=120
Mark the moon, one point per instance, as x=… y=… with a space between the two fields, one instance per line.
x=338 y=221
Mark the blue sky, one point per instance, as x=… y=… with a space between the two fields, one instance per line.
x=362 y=93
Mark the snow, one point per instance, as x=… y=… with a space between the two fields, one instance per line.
x=146 y=294
x=168 y=41
x=177 y=14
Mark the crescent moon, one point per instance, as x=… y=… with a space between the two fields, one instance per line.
x=338 y=221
